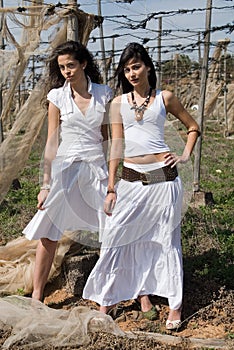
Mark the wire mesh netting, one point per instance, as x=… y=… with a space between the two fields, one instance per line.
x=22 y=117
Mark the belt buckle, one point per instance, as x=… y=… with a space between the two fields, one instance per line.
x=148 y=179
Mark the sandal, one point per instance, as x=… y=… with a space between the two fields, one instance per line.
x=172 y=325
x=115 y=312
x=152 y=314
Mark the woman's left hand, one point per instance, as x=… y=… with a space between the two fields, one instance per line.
x=172 y=159
x=109 y=203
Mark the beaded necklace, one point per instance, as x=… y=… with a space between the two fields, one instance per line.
x=139 y=110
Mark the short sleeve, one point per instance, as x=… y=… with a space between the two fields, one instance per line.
x=53 y=96
x=109 y=93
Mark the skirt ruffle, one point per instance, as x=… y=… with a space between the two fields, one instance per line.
x=141 y=246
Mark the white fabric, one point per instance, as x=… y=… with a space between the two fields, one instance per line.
x=141 y=247
x=79 y=172
x=147 y=135
x=141 y=168
x=75 y=201
x=80 y=134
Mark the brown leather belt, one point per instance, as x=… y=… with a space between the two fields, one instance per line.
x=150 y=177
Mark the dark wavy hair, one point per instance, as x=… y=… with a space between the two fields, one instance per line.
x=80 y=53
x=136 y=51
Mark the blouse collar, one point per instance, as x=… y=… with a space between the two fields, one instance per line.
x=67 y=86
x=68 y=93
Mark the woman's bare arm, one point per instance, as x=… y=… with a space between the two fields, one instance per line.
x=50 y=150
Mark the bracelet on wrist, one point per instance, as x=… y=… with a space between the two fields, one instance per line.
x=45 y=187
x=110 y=191
x=194 y=130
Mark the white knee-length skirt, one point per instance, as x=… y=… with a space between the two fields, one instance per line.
x=141 y=246
x=75 y=202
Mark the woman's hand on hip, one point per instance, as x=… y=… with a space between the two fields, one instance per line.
x=172 y=159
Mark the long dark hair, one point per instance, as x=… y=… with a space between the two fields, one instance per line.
x=80 y=53
x=137 y=51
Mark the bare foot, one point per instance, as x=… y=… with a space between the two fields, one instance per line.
x=174 y=315
x=105 y=309
x=36 y=296
x=145 y=302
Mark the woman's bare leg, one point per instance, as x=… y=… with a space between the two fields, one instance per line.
x=174 y=315
x=145 y=302
x=44 y=258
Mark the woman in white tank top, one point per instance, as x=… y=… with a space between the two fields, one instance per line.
x=141 y=249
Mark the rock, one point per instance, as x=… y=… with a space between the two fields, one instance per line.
x=77 y=270
x=74 y=273
x=201 y=198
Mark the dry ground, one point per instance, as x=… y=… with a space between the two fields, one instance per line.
x=213 y=322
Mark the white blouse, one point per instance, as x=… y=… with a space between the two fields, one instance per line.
x=76 y=127
x=80 y=135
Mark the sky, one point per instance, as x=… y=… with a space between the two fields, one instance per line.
x=180 y=30
x=178 y=24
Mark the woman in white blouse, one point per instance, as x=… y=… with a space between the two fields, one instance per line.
x=75 y=174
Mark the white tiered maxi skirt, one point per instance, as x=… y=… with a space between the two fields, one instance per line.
x=141 y=246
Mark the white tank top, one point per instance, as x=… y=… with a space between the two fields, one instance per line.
x=145 y=136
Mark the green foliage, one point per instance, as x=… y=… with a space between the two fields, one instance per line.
x=20 y=204
x=207 y=231
x=229 y=67
x=20 y=291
